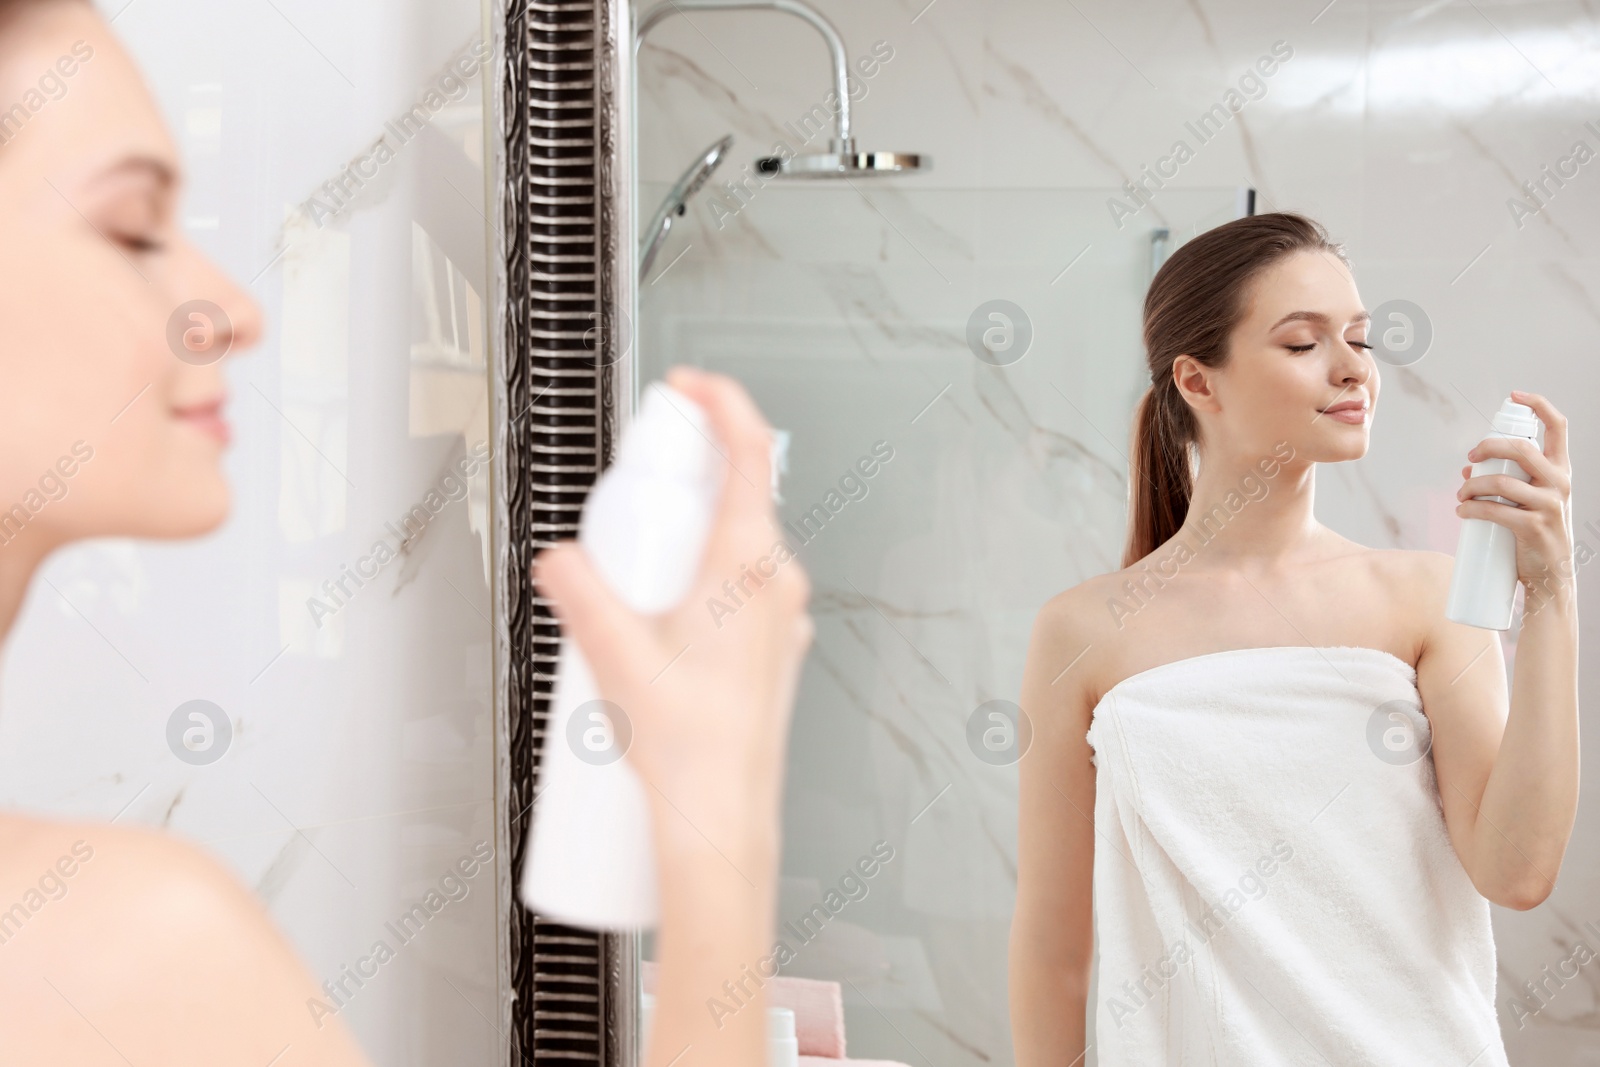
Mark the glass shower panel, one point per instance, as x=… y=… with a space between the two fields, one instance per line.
x=957 y=369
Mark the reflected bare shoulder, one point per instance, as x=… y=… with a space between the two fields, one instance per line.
x=1418 y=584
x=1077 y=633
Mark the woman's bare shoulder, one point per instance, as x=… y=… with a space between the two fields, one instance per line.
x=1411 y=587
x=102 y=864
x=1075 y=622
x=1406 y=572
x=1417 y=577
x=1080 y=613
x=132 y=936
x=1421 y=563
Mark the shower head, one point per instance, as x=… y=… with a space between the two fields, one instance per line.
x=677 y=199
x=842 y=161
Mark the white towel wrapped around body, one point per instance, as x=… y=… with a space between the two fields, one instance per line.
x=1273 y=881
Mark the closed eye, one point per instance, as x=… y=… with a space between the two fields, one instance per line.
x=140 y=244
x=1308 y=347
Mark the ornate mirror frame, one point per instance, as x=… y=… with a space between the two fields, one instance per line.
x=565 y=298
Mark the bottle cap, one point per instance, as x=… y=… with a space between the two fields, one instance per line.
x=670 y=436
x=1515 y=418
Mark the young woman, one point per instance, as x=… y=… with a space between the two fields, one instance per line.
x=1288 y=863
x=143 y=949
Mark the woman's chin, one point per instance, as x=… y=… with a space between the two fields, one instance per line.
x=203 y=513
x=1345 y=452
x=193 y=508
x=1342 y=444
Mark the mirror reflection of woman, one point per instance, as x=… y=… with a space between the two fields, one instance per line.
x=122 y=945
x=1268 y=776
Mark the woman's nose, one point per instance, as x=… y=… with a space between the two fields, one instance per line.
x=1356 y=366
x=227 y=314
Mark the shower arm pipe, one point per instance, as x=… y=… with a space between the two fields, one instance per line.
x=841 y=69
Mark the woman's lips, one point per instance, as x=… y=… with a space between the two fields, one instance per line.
x=1353 y=412
x=207 y=418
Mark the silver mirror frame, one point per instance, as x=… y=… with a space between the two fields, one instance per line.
x=565 y=299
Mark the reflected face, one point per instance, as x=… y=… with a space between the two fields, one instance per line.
x=104 y=430
x=1299 y=362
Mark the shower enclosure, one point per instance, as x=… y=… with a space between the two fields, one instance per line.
x=856 y=317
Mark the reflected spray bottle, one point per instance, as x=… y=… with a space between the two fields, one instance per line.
x=1483 y=584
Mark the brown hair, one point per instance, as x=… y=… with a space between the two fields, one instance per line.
x=1195 y=301
x=9 y=8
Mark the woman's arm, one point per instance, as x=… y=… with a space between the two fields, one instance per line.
x=709 y=704
x=1052 y=930
x=1509 y=782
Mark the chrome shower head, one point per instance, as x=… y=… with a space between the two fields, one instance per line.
x=677 y=200
x=842 y=162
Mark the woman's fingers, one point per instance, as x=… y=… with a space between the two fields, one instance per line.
x=744 y=527
x=742 y=432
x=1520 y=521
x=1525 y=454
x=614 y=640
x=1555 y=425
x=1504 y=485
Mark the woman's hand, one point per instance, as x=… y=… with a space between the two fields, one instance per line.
x=1542 y=524
x=1509 y=769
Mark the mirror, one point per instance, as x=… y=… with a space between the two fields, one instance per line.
x=954 y=351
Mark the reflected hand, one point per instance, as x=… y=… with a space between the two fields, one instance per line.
x=1542 y=524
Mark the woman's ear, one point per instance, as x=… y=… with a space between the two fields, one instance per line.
x=1194 y=383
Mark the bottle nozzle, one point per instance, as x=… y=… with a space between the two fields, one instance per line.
x=1518 y=419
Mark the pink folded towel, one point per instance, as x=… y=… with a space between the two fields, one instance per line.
x=818 y=1013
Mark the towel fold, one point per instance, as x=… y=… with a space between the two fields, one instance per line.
x=1273 y=880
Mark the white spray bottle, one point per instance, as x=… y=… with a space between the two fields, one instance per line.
x=1483 y=585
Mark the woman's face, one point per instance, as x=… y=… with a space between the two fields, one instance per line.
x=104 y=429
x=1299 y=349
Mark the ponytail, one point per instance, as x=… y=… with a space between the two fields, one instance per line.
x=1160 y=475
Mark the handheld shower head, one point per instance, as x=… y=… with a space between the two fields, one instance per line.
x=677 y=200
